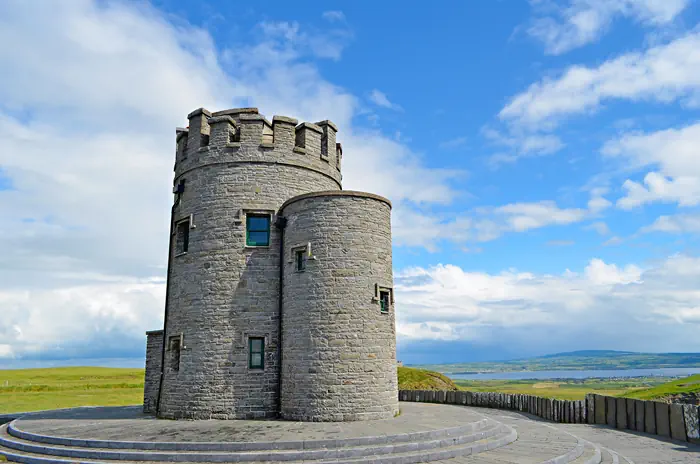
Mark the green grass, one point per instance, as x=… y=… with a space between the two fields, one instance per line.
x=65 y=387
x=686 y=385
x=574 y=389
x=419 y=379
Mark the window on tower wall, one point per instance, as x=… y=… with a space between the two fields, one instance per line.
x=385 y=301
x=257 y=230
x=300 y=260
x=182 y=236
x=256 y=353
x=174 y=348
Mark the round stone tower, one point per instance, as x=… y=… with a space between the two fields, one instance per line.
x=339 y=335
x=233 y=171
x=279 y=298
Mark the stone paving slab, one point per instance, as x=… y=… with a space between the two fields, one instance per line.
x=634 y=447
x=130 y=424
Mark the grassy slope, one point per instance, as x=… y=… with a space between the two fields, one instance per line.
x=37 y=389
x=418 y=379
x=686 y=385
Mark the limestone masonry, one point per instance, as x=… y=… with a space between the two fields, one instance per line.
x=279 y=296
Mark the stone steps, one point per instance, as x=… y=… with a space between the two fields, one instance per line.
x=462 y=430
x=491 y=436
x=591 y=454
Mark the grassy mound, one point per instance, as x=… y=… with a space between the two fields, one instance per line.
x=676 y=389
x=419 y=379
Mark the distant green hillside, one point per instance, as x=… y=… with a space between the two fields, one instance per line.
x=576 y=360
x=687 y=387
x=419 y=379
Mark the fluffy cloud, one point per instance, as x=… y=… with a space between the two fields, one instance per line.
x=673 y=152
x=664 y=73
x=608 y=306
x=579 y=22
x=413 y=228
x=677 y=224
x=87 y=144
x=379 y=98
x=521 y=145
x=600 y=227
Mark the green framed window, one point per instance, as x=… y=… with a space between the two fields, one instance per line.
x=256 y=353
x=257 y=230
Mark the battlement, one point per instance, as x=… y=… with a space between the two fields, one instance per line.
x=246 y=130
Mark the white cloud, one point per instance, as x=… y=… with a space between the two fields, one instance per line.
x=525 y=216
x=679 y=223
x=86 y=139
x=673 y=152
x=600 y=227
x=379 y=98
x=333 y=15
x=521 y=145
x=579 y=22
x=454 y=143
x=619 y=307
x=414 y=228
x=664 y=73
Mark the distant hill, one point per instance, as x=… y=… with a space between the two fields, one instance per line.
x=576 y=360
x=419 y=379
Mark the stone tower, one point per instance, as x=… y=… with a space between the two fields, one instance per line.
x=279 y=295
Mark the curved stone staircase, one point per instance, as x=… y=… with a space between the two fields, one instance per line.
x=486 y=434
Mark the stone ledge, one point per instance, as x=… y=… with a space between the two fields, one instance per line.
x=235 y=111
x=336 y=193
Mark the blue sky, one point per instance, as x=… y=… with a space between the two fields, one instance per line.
x=541 y=157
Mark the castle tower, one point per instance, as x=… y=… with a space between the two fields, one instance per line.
x=222 y=351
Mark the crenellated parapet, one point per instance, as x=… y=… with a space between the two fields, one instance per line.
x=242 y=135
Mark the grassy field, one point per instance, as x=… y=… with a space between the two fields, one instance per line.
x=37 y=389
x=686 y=385
x=563 y=389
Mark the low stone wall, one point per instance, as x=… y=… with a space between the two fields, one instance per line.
x=677 y=421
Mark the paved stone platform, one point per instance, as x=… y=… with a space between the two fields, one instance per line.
x=130 y=424
x=424 y=432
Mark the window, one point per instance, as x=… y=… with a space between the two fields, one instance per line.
x=256 y=353
x=182 y=236
x=257 y=230
x=300 y=260
x=174 y=348
x=385 y=301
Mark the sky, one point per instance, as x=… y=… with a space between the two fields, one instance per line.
x=542 y=159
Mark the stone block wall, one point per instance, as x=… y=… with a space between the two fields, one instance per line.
x=154 y=356
x=676 y=421
x=222 y=292
x=338 y=346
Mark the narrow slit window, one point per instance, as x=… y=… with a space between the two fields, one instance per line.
x=300 y=260
x=256 y=353
x=385 y=301
x=257 y=230
x=174 y=348
x=182 y=238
